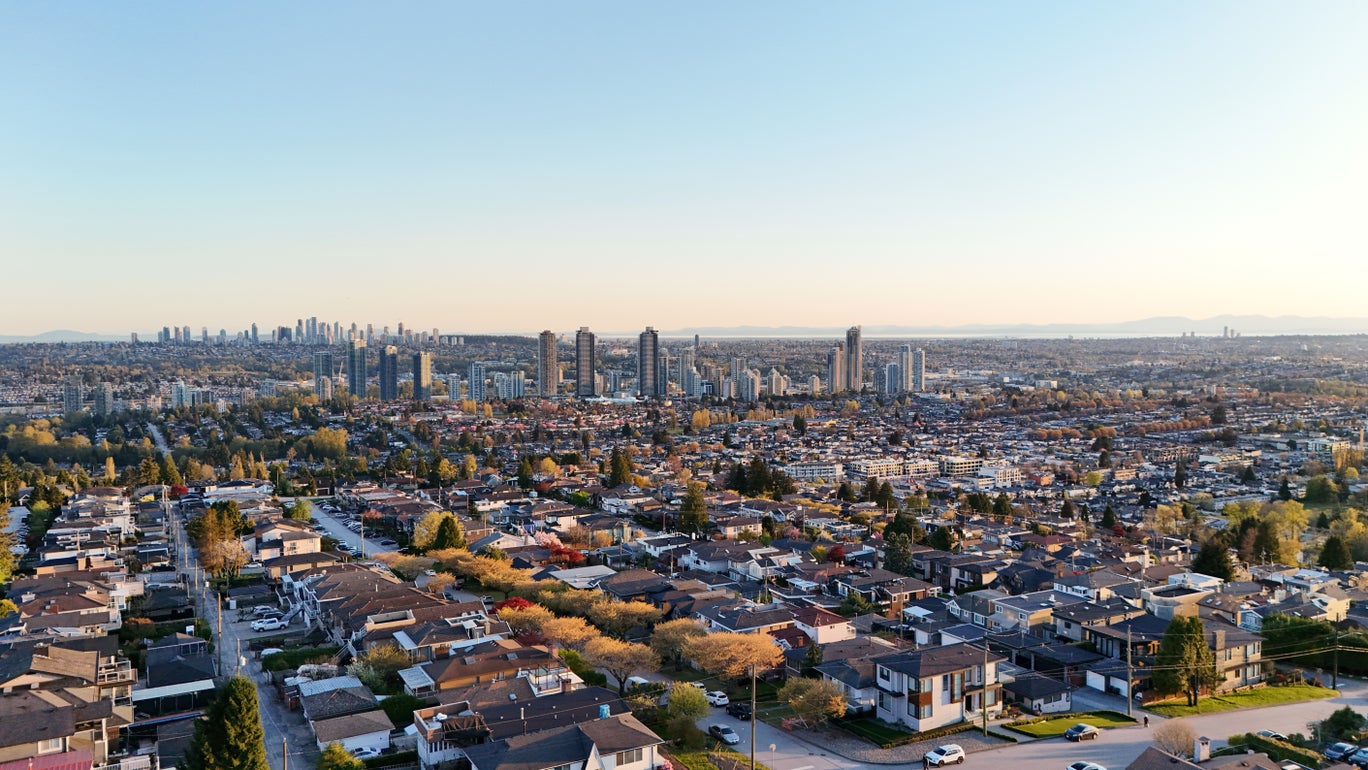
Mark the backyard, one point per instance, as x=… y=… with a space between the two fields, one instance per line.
x=1263 y=696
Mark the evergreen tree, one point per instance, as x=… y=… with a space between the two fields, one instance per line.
x=693 y=511
x=812 y=659
x=1284 y=490
x=1213 y=559
x=1180 y=476
x=1335 y=554
x=942 y=539
x=1248 y=476
x=1002 y=506
x=800 y=424
x=1185 y=663
x=230 y=736
x=449 y=535
x=619 y=468
x=1267 y=545
x=1108 y=518
x=737 y=479
x=1067 y=509
x=897 y=553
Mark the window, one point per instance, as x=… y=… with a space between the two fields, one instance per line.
x=992 y=698
x=924 y=712
x=957 y=686
x=928 y=685
x=51 y=745
x=911 y=707
x=885 y=702
x=945 y=682
x=628 y=757
x=883 y=674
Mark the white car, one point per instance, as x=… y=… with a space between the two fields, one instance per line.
x=364 y=752
x=949 y=754
x=1085 y=766
x=269 y=624
x=717 y=698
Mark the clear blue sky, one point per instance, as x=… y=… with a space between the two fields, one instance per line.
x=515 y=166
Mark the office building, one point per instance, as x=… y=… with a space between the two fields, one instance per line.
x=586 y=381
x=72 y=397
x=422 y=376
x=475 y=383
x=322 y=370
x=548 y=365
x=918 y=370
x=648 y=364
x=389 y=373
x=854 y=360
x=836 y=379
x=356 y=368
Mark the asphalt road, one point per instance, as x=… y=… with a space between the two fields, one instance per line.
x=1115 y=749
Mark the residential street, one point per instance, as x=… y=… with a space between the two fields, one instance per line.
x=1115 y=749
x=337 y=530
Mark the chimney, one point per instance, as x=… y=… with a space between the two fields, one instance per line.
x=1201 y=749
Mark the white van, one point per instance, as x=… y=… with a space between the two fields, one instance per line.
x=633 y=682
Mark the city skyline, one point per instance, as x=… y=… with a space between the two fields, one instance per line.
x=991 y=164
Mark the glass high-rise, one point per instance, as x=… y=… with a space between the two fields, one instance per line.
x=648 y=364
x=356 y=368
x=422 y=376
x=389 y=373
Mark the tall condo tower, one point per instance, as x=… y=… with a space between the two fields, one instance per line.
x=586 y=385
x=648 y=364
x=548 y=365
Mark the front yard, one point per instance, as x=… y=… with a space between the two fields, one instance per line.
x=1263 y=696
x=1056 y=725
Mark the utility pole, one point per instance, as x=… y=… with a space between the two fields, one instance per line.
x=983 y=699
x=220 y=626
x=1130 y=676
x=284 y=753
x=1334 y=681
x=752 y=716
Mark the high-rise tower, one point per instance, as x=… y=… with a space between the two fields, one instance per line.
x=648 y=364
x=322 y=370
x=836 y=379
x=854 y=360
x=356 y=368
x=586 y=384
x=548 y=365
x=389 y=373
x=918 y=370
x=422 y=376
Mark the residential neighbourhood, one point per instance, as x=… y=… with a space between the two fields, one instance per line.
x=942 y=571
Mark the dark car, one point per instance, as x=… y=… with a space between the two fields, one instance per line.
x=1082 y=732
x=741 y=711
x=1338 y=751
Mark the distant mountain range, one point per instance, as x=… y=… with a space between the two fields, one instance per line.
x=1159 y=326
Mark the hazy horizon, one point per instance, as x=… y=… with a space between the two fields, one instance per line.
x=615 y=165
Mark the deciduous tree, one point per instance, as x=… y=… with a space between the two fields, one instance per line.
x=620 y=659
x=813 y=701
x=668 y=638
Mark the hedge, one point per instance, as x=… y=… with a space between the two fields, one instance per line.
x=1277 y=750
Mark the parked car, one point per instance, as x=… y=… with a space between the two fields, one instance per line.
x=1338 y=751
x=717 y=698
x=741 y=711
x=724 y=734
x=1085 y=766
x=1082 y=732
x=1272 y=736
x=696 y=685
x=264 y=610
x=1359 y=757
x=364 y=752
x=269 y=624
x=949 y=754
x=389 y=541
x=252 y=565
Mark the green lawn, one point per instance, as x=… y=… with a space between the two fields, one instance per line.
x=1264 y=696
x=1057 y=725
x=872 y=730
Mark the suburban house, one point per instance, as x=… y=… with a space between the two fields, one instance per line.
x=938 y=686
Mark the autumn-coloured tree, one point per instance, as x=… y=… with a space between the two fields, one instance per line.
x=732 y=654
x=813 y=700
x=619 y=659
x=668 y=638
x=571 y=632
x=617 y=618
